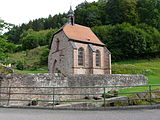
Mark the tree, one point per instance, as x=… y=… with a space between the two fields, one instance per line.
x=15 y=34
x=30 y=42
x=5 y=48
x=44 y=57
x=4 y=25
x=153 y=42
x=32 y=39
x=120 y=11
x=129 y=42
x=90 y=14
x=149 y=12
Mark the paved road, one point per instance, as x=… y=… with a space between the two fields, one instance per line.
x=28 y=114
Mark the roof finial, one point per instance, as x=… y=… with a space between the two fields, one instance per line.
x=85 y=1
x=71 y=16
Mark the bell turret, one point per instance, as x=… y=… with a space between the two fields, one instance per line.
x=71 y=16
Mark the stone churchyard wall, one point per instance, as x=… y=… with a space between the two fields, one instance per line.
x=58 y=80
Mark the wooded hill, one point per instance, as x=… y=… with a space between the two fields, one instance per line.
x=129 y=28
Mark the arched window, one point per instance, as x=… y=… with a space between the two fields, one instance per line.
x=54 y=66
x=81 y=56
x=98 y=58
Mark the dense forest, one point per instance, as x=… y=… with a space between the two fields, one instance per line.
x=129 y=28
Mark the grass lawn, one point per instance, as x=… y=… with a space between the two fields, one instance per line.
x=43 y=69
x=27 y=71
x=149 y=68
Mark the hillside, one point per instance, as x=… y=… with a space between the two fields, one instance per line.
x=124 y=26
x=31 y=61
x=149 y=68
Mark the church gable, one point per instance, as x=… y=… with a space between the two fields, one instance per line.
x=61 y=50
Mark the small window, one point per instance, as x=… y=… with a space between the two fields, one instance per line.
x=81 y=56
x=98 y=58
x=57 y=47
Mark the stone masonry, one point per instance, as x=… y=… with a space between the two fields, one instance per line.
x=58 y=80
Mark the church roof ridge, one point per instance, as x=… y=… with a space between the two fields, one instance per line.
x=81 y=33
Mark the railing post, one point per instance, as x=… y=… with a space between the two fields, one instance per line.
x=150 y=95
x=0 y=94
x=53 y=96
x=9 y=96
x=104 y=95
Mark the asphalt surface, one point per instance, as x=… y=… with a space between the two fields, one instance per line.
x=34 y=114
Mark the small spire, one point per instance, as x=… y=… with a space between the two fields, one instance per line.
x=71 y=16
x=70 y=10
x=85 y=1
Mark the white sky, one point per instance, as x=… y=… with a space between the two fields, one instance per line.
x=21 y=11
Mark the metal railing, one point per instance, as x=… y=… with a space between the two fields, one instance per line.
x=76 y=96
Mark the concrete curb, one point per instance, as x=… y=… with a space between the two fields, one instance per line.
x=137 y=107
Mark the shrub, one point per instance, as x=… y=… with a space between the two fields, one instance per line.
x=20 y=65
x=44 y=57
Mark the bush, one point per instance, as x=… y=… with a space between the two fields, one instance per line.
x=20 y=65
x=129 y=42
x=33 y=39
x=44 y=57
x=5 y=48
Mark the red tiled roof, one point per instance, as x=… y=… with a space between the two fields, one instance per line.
x=81 y=33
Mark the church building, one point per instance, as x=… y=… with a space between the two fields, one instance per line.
x=76 y=49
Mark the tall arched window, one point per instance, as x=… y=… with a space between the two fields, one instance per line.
x=81 y=56
x=54 y=66
x=98 y=58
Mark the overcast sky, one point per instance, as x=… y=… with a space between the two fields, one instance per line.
x=21 y=11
